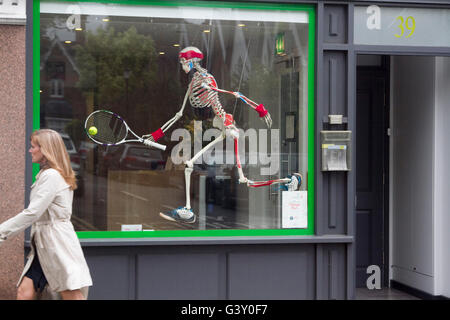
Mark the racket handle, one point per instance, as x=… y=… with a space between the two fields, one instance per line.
x=150 y=143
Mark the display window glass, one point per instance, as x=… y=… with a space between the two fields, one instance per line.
x=124 y=57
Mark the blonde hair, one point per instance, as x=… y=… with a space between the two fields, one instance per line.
x=53 y=149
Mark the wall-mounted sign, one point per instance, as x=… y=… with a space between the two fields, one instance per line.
x=391 y=26
x=13 y=12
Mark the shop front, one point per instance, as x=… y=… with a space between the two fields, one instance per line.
x=302 y=62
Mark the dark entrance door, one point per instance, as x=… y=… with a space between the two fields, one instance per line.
x=371 y=171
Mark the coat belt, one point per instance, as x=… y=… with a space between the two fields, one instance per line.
x=37 y=235
x=52 y=221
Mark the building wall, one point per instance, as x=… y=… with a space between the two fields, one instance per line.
x=442 y=177
x=13 y=145
x=421 y=111
x=413 y=136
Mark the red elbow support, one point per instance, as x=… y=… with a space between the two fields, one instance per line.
x=261 y=110
x=158 y=134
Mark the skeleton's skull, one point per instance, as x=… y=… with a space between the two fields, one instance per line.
x=187 y=65
x=188 y=56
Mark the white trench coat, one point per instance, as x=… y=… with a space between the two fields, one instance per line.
x=52 y=234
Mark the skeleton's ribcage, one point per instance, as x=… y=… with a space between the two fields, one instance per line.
x=201 y=97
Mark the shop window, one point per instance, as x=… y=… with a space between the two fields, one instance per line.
x=124 y=57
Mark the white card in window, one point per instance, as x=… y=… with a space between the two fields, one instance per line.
x=131 y=227
x=294 y=209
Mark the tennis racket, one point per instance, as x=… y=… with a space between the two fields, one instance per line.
x=109 y=129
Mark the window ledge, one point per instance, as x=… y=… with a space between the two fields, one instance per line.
x=112 y=242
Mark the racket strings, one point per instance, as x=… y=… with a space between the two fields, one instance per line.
x=110 y=128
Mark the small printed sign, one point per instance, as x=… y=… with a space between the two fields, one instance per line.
x=131 y=227
x=13 y=12
x=295 y=209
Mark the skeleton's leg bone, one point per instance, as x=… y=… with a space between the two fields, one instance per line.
x=242 y=178
x=187 y=177
x=250 y=183
x=190 y=165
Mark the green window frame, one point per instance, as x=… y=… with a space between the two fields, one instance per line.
x=309 y=9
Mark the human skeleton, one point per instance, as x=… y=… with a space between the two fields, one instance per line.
x=203 y=93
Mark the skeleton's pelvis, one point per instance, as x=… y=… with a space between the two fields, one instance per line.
x=230 y=130
x=218 y=123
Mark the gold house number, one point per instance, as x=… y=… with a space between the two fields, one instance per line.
x=409 y=24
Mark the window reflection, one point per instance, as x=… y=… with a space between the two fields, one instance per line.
x=92 y=60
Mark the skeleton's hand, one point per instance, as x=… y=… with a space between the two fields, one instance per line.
x=263 y=113
x=148 y=137
x=154 y=136
x=268 y=120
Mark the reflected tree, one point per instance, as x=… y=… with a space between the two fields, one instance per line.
x=119 y=72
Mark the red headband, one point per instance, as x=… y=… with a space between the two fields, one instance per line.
x=191 y=54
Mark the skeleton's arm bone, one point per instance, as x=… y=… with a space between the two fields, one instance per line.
x=262 y=111
x=258 y=107
x=236 y=94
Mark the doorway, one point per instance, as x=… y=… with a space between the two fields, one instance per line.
x=402 y=172
x=372 y=167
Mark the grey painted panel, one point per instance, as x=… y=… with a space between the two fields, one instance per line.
x=335 y=24
x=178 y=276
x=335 y=82
x=111 y=277
x=319 y=114
x=331 y=272
x=334 y=196
x=219 y=272
x=332 y=97
x=280 y=274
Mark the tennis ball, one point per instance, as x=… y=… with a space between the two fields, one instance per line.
x=93 y=131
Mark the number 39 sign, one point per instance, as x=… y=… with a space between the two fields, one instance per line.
x=409 y=24
x=397 y=26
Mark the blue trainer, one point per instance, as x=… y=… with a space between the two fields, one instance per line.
x=180 y=214
x=293 y=185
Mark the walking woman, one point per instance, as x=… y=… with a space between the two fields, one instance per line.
x=56 y=258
